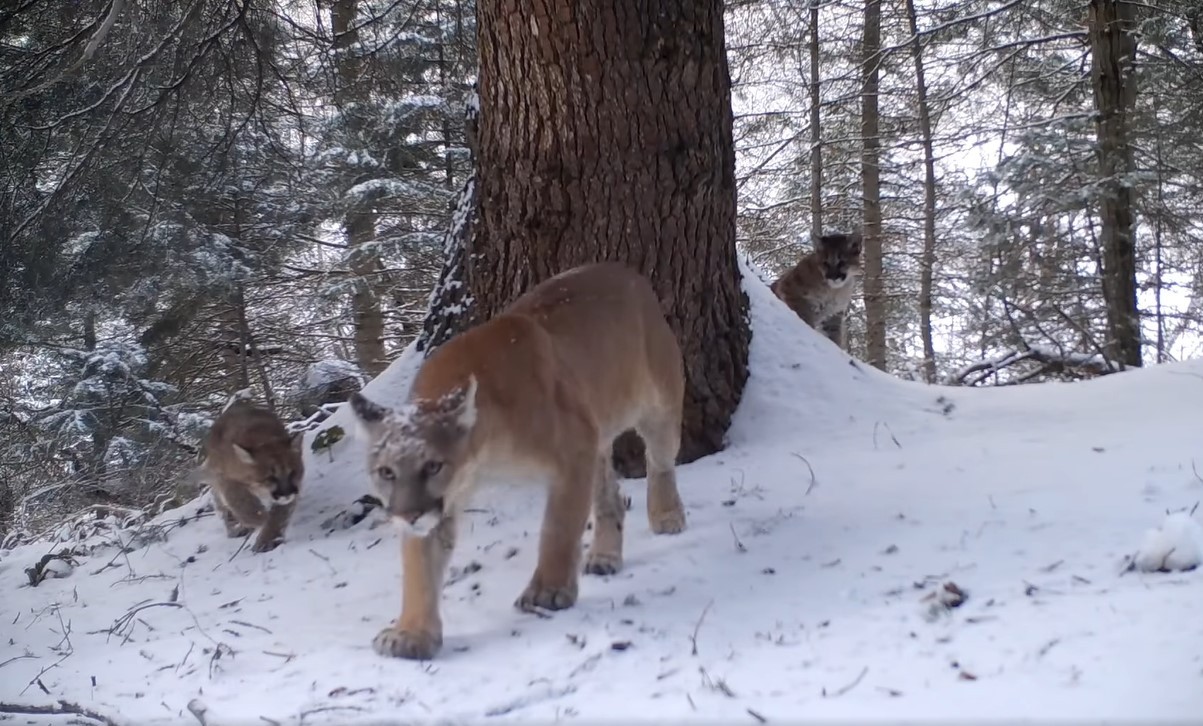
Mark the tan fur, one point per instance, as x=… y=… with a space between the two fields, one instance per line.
x=543 y=388
x=255 y=471
x=820 y=287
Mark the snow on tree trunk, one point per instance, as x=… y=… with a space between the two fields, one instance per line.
x=605 y=134
x=450 y=309
x=1113 y=51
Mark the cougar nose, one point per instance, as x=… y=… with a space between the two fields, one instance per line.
x=284 y=488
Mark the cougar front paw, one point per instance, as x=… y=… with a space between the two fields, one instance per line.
x=411 y=645
x=238 y=531
x=548 y=598
x=603 y=563
x=266 y=544
x=667 y=522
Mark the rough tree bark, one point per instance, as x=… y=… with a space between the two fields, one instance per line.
x=605 y=134
x=816 y=134
x=874 y=282
x=927 y=261
x=360 y=221
x=1113 y=53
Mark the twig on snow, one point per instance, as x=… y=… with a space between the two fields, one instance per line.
x=849 y=687
x=323 y=709
x=698 y=626
x=1044 y=649
x=888 y=430
x=120 y=623
x=756 y=716
x=813 y=479
x=38 y=678
x=739 y=546
x=16 y=658
x=245 y=539
x=191 y=645
x=65 y=629
x=716 y=684
x=323 y=558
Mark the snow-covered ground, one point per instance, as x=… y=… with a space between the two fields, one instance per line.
x=808 y=584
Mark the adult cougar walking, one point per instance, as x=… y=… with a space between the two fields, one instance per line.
x=544 y=388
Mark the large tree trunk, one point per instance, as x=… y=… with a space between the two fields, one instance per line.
x=605 y=134
x=360 y=221
x=1113 y=53
x=927 y=261
x=874 y=282
x=816 y=134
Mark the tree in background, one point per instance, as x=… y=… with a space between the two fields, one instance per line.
x=1113 y=56
x=874 y=277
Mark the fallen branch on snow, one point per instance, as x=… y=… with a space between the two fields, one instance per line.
x=1061 y=364
x=64 y=708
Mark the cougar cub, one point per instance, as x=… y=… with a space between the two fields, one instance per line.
x=819 y=288
x=255 y=471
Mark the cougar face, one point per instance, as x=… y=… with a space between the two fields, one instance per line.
x=839 y=258
x=272 y=473
x=416 y=455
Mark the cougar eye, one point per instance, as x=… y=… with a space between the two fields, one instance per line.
x=385 y=473
x=431 y=468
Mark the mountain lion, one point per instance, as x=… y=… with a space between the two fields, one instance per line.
x=543 y=388
x=819 y=288
x=254 y=469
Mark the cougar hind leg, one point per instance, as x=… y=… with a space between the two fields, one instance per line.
x=661 y=436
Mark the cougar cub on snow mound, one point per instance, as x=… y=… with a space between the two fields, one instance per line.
x=542 y=388
x=819 y=288
x=255 y=471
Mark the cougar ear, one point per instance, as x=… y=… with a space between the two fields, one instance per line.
x=243 y=455
x=460 y=404
x=854 y=244
x=367 y=414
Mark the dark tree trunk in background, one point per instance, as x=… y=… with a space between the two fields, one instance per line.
x=605 y=134
x=927 y=262
x=816 y=134
x=360 y=221
x=1113 y=52
x=874 y=278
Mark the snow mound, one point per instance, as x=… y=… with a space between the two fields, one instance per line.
x=1176 y=545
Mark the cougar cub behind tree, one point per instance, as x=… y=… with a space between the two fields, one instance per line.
x=254 y=469
x=819 y=288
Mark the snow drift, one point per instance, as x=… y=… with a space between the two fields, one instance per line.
x=864 y=548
